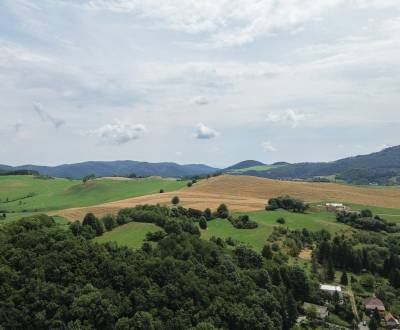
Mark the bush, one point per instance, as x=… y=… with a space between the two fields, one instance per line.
x=92 y=221
x=156 y=236
x=175 y=200
x=189 y=184
x=203 y=223
x=207 y=214
x=109 y=222
x=281 y=221
x=161 y=191
x=243 y=222
x=222 y=211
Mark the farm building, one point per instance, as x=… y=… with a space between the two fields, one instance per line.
x=335 y=207
x=370 y=304
x=331 y=288
x=321 y=311
x=391 y=321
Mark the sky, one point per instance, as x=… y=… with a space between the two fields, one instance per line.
x=189 y=81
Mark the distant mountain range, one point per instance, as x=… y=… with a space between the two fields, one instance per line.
x=116 y=168
x=381 y=167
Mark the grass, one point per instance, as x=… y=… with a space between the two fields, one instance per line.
x=131 y=235
x=386 y=213
x=256 y=168
x=267 y=221
x=27 y=195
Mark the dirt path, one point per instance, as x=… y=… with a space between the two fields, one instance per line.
x=353 y=303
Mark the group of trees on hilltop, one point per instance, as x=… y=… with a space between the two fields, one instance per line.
x=286 y=203
x=51 y=279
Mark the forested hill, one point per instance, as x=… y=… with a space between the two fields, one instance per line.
x=50 y=279
x=381 y=167
x=117 y=168
x=243 y=164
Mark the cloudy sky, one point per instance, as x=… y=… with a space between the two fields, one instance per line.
x=210 y=81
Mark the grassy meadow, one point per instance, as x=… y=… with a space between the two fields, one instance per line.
x=26 y=195
x=267 y=221
x=131 y=235
x=256 y=168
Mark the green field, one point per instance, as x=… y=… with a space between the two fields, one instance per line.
x=25 y=195
x=256 y=168
x=267 y=220
x=131 y=234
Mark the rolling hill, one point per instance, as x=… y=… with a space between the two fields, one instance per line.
x=381 y=167
x=243 y=165
x=249 y=193
x=22 y=195
x=116 y=168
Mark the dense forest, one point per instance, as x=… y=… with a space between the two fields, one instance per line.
x=50 y=278
x=54 y=276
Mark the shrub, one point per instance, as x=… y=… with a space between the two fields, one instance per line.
x=109 y=222
x=92 y=221
x=175 y=200
x=161 y=191
x=243 y=222
x=156 y=236
x=222 y=211
x=189 y=184
x=207 y=214
x=203 y=223
x=281 y=221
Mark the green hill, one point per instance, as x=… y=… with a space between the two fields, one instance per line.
x=29 y=194
x=381 y=167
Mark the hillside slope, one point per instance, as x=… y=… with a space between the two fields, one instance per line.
x=243 y=164
x=380 y=167
x=248 y=193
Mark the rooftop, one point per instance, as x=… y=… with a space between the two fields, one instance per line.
x=328 y=287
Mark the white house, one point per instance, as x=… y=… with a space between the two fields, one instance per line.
x=334 y=207
x=331 y=288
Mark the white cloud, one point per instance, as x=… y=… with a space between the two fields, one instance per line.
x=290 y=116
x=268 y=147
x=231 y=22
x=46 y=117
x=204 y=132
x=119 y=133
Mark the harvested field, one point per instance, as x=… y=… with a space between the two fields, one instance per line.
x=247 y=193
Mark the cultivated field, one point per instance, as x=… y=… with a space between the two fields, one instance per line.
x=247 y=193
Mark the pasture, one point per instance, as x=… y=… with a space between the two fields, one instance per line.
x=131 y=235
x=24 y=195
x=313 y=221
